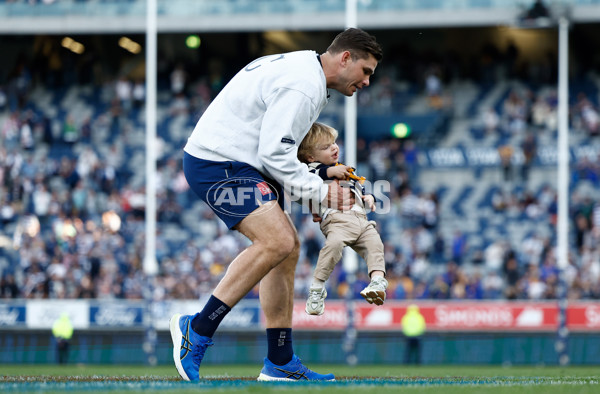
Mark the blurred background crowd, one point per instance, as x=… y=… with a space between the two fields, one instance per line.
x=72 y=195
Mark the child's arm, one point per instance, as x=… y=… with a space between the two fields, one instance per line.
x=339 y=171
x=328 y=173
x=320 y=170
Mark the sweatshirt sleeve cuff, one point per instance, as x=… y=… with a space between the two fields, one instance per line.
x=323 y=173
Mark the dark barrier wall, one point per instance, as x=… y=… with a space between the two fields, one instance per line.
x=126 y=347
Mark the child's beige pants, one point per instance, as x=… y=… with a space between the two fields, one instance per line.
x=349 y=228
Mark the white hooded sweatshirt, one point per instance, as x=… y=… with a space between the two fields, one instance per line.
x=260 y=118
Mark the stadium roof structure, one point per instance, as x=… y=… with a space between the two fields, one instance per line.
x=122 y=16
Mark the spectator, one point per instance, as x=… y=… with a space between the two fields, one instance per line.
x=3 y=99
x=70 y=134
x=139 y=94
x=41 y=201
x=512 y=275
x=491 y=121
x=178 y=80
x=529 y=147
x=515 y=113
x=506 y=153
x=124 y=91
x=459 y=247
x=9 y=287
x=433 y=87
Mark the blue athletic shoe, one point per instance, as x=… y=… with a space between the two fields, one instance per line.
x=290 y=372
x=188 y=346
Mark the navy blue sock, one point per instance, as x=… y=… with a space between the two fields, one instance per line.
x=279 y=340
x=207 y=321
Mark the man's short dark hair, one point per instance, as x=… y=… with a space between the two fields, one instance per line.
x=358 y=42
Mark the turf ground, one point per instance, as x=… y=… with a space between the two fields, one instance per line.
x=360 y=379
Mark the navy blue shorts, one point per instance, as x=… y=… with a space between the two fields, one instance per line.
x=231 y=188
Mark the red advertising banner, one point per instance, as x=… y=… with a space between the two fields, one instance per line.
x=334 y=318
x=583 y=316
x=455 y=316
x=463 y=316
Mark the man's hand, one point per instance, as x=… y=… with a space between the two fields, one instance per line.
x=339 y=197
x=369 y=201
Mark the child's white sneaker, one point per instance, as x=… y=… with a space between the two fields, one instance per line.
x=315 y=304
x=375 y=292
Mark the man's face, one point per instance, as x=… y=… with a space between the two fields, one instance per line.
x=355 y=74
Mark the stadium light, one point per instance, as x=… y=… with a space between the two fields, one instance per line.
x=401 y=130
x=193 y=41
x=129 y=45
x=73 y=45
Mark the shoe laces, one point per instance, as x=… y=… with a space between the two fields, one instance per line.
x=200 y=349
x=302 y=367
x=315 y=295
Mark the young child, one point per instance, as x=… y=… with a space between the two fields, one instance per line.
x=352 y=228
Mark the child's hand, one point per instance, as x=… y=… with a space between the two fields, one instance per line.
x=369 y=201
x=339 y=171
x=317 y=218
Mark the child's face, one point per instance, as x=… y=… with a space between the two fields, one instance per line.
x=326 y=153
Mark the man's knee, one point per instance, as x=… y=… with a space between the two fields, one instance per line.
x=288 y=245
x=283 y=246
x=272 y=232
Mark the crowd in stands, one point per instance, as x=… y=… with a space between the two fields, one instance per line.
x=72 y=203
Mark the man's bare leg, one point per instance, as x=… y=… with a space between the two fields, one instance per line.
x=273 y=239
x=277 y=288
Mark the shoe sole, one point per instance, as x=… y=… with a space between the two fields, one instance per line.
x=266 y=378
x=176 y=337
x=374 y=297
x=314 y=314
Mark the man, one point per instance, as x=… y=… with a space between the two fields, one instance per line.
x=413 y=328
x=62 y=330
x=240 y=157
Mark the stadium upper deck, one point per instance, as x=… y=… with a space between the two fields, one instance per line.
x=105 y=16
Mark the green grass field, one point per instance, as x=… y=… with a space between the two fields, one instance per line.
x=360 y=379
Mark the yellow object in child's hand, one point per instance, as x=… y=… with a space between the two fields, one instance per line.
x=360 y=179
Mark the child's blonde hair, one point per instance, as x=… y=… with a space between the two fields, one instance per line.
x=318 y=133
